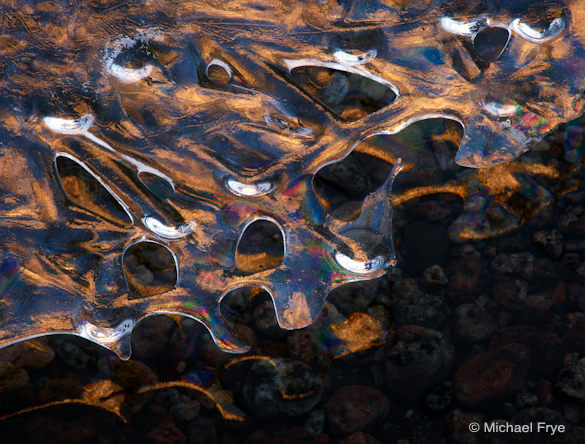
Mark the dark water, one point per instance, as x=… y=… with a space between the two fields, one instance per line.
x=343 y=221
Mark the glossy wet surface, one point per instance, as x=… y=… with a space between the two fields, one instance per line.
x=182 y=158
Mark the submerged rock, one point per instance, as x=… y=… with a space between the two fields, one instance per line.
x=472 y=324
x=414 y=359
x=546 y=348
x=359 y=438
x=571 y=380
x=355 y=407
x=464 y=278
x=281 y=387
x=411 y=306
x=551 y=241
x=491 y=377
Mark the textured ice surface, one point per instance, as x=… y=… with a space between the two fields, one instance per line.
x=141 y=139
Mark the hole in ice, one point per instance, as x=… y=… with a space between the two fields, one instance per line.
x=86 y=191
x=349 y=95
x=344 y=185
x=157 y=185
x=218 y=72
x=241 y=300
x=491 y=42
x=156 y=342
x=150 y=268
x=427 y=147
x=261 y=247
x=253 y=307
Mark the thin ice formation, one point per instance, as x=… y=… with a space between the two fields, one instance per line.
x=140 y=139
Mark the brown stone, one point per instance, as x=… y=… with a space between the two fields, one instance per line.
x=415 y=358
x=359 y=438
x=493 y=376
x=574 y=338
x=464 y=278
x=355 y=407
x=546 y=348
x=472 y=324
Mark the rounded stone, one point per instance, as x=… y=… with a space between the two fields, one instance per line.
x=471 y=324
x=12 y=379
x=359 y=438
x=435 y=276
x=551 y=241
x=281 y=387
x=571 y=380
x=464 y=278
x=414 y=359
x=440 y=397
x=492 y=377
x=355 y=407
x=546 y=348
x=133 y=374
x=186 y=410
x=411 y=306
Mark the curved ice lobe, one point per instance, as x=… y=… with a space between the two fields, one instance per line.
x=521 y=82
x=368 y=238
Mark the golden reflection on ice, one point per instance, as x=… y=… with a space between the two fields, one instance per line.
x=140 y=139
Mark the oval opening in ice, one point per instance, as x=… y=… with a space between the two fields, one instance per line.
x=261 y=247
x=150 y=269
x=218 y=72
x=491 y=42
x=348 y=94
